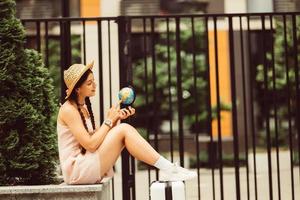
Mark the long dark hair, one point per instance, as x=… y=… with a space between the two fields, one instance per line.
x=74 y=98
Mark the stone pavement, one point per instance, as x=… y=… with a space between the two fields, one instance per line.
x=206 y=188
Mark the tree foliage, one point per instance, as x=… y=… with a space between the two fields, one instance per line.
x=276 y=81
x=28 y=151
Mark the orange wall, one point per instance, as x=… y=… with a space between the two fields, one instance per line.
x=224 y=80
x=90 y=8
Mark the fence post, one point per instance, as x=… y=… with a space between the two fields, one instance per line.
x=65 y=46
x=125 y=70
x=65 y=54
x=234 y=111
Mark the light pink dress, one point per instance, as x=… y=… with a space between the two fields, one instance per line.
x=77 y=168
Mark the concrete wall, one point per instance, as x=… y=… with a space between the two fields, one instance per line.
x=235 y=6
x=216 y=6
x=255 y=6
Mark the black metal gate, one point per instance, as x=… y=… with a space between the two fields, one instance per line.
x=219 y=93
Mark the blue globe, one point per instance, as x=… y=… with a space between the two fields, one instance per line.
x=127 y=95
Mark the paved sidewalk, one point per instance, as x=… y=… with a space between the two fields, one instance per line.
x=228 y=183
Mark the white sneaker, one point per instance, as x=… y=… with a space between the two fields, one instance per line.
x=177 y=173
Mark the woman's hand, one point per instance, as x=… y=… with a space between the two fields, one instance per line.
x=126 y=112
x=113 y=113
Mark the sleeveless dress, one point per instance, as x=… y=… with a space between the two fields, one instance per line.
x=77 y=168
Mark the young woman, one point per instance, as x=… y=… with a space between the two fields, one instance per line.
x=87 y=153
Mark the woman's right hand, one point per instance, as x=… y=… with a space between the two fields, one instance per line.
x=113 y=113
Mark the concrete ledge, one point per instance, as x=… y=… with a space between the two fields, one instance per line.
x=57 y=192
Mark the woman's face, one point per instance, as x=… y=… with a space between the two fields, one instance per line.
x=88 y=88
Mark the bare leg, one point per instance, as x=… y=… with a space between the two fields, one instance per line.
x=124 y=135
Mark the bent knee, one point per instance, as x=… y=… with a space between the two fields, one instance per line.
x=125 y=126
x=121 y=127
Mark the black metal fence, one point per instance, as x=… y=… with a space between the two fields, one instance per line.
x=218 y=93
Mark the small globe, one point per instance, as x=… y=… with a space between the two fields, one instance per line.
x=127 y=95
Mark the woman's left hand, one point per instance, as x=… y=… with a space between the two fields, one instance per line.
x=124 y=113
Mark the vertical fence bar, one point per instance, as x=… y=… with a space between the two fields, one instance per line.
x=266 y=107
x=219 y=138
x=101 y=96
x=38 y=36
x=274 y=97
x=84 y=41
x=295 y=50
x=63 y=64
x=153 y=56
x=99 y=28
x=211 y=151
x=196 y=104
x=65 y=52
x=234 y=111
x=125 y=63
x=109 y=60
x=252 y=107
x=46 y=44
x=146 y=90
x=170 y=94
x=288 y=104
x=130 y=82
x=245 y=102
x=179 y=92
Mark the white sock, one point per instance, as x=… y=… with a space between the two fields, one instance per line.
x=163 y=163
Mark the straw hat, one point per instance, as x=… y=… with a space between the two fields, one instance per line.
x=73 y=74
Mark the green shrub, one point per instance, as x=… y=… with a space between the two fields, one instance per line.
x=28 y=151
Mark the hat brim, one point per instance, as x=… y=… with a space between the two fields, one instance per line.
x=70 y=89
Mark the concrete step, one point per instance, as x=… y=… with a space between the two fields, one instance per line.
x=57 y=192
